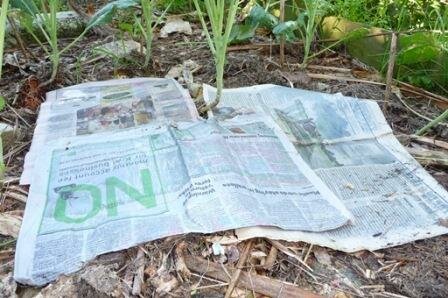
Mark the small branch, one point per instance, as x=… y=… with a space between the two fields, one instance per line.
x=260 y=284
x=391 y=67
x=282 y=38
x=18 y=38
x=239 y=266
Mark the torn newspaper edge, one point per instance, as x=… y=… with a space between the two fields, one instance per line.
x=101 y=194
x=350 y=146
x=106 y=106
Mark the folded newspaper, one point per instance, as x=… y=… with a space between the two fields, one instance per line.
x=349 y=145
x=100 y=194
x=106 y=106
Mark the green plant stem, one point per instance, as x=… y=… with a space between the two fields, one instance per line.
x=219 y=38
x=3 y=18
x=433 y=123
x=148 y=30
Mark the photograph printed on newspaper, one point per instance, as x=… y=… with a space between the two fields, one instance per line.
x=107 y=106
x=103 y=194
x=349 y=145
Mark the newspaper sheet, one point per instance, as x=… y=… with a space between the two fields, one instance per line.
x=98 y=195
x=349 y=145
x=106 y=106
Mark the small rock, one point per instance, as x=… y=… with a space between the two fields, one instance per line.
x=175 y=72
x=176 y=25
x=121 y=48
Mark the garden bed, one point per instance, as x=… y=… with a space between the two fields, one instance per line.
x=416 y=269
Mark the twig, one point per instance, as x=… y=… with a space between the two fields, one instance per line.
x=328 y=68
x=19 y=39
x=260 y=284
x=426 y=140
x=340 y=78
x=422 y=92
x=429 y=157
x=138 y=278
x=391 y=67
x=239 y=266
x=272 y=257
x=287 y=252
x=282 y=38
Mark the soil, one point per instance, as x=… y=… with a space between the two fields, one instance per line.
x=416 y=269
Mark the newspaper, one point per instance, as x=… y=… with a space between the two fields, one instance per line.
x=99 y=107
x=349 y=145
x=98 y=195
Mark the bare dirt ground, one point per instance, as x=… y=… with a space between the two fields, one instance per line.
x=416 y=269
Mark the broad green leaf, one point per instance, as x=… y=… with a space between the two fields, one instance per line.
x=107 y=12
x=301 y=19
x=286 y=29
x=417 y=48
x=241 y=33
x=420 y=38
x=2 y=103
x=260 y=17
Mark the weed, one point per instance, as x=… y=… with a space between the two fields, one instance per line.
x=45 y=16
x=3 y=18
x=219 y=36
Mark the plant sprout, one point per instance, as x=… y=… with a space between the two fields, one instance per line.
x=3 y=17
x=314 y=11
x=218 y=38
x=147 y=28
x=45 y=17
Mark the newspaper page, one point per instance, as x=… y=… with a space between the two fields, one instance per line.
x=349 y=145
x=105 y=194
x=113 y=105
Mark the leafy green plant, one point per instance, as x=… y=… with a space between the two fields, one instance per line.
x=219 y=36
x=3 y=18
x=45 y=16
x=306 y=24
x=176 y=6
x=144 y=25
x=258 y=17
x=147 y=29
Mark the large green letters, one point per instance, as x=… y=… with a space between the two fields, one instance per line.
x=61 y=203
x=147 y=198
